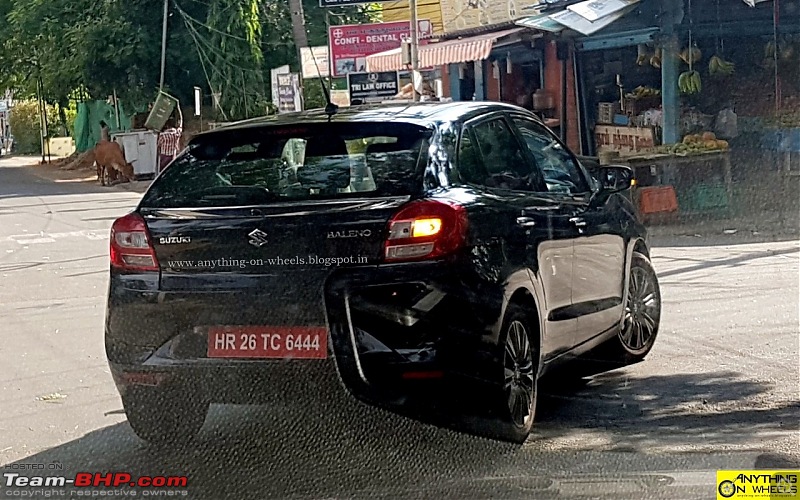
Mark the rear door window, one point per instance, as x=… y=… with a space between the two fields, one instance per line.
x=299 y=162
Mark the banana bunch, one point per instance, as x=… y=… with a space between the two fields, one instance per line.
x=720 y=67
x=655 y=61
x=642 y=92
x=642 y=55
x=692 y=53
x=689 y=82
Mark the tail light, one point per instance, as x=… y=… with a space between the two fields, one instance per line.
x=425 y=230
x=131 y=248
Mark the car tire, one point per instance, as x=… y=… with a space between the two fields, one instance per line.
x=641 y=314
x=515 y=400
x=164 y=417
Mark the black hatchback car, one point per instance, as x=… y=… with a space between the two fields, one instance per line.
x=395 y=249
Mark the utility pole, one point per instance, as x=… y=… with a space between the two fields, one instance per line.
x=300 y=39
x=412 y=4
x=164 y=44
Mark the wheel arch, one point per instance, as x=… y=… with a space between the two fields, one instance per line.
x=525 y=298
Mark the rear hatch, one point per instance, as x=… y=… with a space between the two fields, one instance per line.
x=266 y=214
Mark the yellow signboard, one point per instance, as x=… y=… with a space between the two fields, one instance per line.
x=465 y=14
x=426 y=9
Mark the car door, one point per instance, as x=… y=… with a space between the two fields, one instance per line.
x=540 y=237
x=599 y=250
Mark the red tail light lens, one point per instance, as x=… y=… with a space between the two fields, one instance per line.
x=131 y=248
x=425 y=230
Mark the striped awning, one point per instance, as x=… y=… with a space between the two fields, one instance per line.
x=476 y=48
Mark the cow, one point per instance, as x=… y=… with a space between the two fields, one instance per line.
x=108 y=157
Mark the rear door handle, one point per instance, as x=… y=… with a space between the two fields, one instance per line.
x=579 y=222
x=526 y=221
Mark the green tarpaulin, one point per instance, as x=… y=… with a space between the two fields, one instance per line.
x=88 y=118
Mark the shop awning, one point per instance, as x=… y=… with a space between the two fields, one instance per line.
x=476 y=48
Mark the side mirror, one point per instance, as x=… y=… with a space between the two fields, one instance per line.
x=615 y=178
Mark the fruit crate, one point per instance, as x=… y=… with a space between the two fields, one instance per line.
x=704 y=198
x=635 y=107
x=657 y=200
x=606 y=112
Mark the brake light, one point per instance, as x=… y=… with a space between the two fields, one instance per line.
x=424 y=230
x=130 y=246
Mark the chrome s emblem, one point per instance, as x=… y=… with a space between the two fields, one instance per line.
x=354 y=233
x=174 y=240
x=258 y=238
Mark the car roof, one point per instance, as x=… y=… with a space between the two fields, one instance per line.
x=422 y=114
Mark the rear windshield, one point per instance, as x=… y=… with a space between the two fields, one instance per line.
x=297 y=162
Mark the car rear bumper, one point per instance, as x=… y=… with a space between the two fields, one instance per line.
x=391 y=329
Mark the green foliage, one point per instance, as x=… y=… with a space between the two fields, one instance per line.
x=24 y=123
x=85 y=49
x=236 y=61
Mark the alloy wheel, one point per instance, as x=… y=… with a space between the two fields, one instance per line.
x=641 y=311
x=519 y=374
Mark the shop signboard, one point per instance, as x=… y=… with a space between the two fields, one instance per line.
x=315 y=61
x=373 y=87
x=288 y=88
x=351 y=44
x=274 y=72
x=624 y=140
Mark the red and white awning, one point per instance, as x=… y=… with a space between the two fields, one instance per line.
x=475 y=48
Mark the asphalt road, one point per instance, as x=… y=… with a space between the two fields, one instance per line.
x=719 y=391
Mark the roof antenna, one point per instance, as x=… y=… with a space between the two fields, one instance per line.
x=330 y=107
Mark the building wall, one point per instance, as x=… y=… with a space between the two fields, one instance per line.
x=426 y=9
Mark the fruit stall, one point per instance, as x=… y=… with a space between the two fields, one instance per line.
x=736 y=88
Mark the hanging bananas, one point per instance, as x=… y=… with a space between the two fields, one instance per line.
x=689 y=83
x=642 y=56
x=692 y=53
x=655 y=61
x=720 y=67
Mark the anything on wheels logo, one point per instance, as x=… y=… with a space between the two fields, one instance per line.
x=94 y=480
x=757 y=484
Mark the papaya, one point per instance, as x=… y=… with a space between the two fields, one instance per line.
x=722 y=144
x=688 y=139
x=710 y=144
x=709 y=136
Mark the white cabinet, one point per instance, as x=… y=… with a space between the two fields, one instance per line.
x=141 y=150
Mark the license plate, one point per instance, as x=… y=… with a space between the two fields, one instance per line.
x=267 y=342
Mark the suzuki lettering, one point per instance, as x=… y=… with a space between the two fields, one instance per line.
x=173 y=240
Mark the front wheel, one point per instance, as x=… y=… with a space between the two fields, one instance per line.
x=642 y=313
x=516 y=401
x=164 y=417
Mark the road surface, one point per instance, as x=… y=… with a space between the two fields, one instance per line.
x=719 y=391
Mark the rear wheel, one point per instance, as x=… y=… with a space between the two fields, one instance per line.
x=164 y=417
x=516 y=402
x=642 y=313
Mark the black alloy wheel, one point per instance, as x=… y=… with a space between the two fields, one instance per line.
x=520 y=364
x=642 y=314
